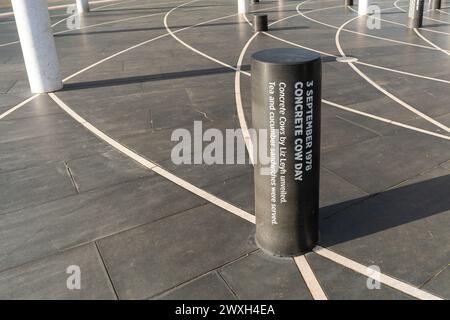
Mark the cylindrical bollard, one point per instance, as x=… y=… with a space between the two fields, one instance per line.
x=82 y=6
x=362 y=7
x=348 y=2
x=286 y=100
x=435 y=4
x=242 y=6
x=38 y=45
x=415 y=14
x=260 y=22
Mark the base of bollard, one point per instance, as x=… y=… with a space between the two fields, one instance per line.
x=348 y=2
x=283 y=255
x=414 y=23
x=255 y=1
x=415 y=14
x=260 y=22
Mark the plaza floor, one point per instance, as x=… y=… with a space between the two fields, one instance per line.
x=86 y=176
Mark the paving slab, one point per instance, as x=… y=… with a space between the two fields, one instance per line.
x=210 y=286
x=47 y=278
x=154 y=258
x=340 y=283
x=33 y=186
x=38 y=231
x=259 y=276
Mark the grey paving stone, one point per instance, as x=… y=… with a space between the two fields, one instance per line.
x=33 y=186
x=105 y=169
x=336 y=193
x=403 y=230
x=151 y=259
x=38 y=231
x=40 y=106
x=208 y=287
x=388 y=159
x=238 y=191
x=47 y=278
x=259 y=276
x=26 y=128
x=340 y=283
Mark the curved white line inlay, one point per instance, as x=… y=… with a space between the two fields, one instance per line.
x=379 y=88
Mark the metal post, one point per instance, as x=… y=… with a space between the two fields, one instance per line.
x=348 y=2
x=286 y=100
x=415 y=14
x=260 y=22
x=38 y=45
x=82 y=6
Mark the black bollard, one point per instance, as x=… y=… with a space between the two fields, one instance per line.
x=415 y=14
x=349 y=2
x=260 y=22
x=435 y=4
x=286 y=96
x=255 y=1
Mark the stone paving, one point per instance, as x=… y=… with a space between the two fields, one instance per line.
x=139 y=69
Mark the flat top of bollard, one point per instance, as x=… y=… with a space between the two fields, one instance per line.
x=285 y=56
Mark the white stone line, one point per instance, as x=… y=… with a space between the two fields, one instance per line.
x=151 y=165
x=238 y=99
x=310 y=278
x=310 y=11
x=246 y=19
x=166 y=25
x=4 y=114
x=383 y=278
x=395 y=123
x=109 y=22
x=429 y=42
x=379 y=88
x=442 y=11
x=95 y=25
x=364 y=34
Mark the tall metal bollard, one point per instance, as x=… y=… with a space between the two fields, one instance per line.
x=348 y=2
x=415 y=14
x=286 y=100
x=38 y=45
